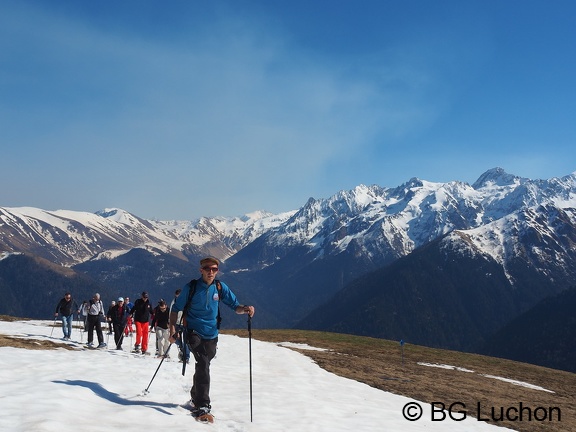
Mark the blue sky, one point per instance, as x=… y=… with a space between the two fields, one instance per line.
x=182 y=109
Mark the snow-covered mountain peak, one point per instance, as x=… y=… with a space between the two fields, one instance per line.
x=414 y=182
x=357 y=199
x=497 y=177
x=536 y=234
x=118 y=215
x=108 y=212
x=255 y=215
x=370 y=220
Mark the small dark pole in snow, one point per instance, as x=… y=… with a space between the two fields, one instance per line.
x=250 y=359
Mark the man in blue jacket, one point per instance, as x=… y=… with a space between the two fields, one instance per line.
x=201 y=326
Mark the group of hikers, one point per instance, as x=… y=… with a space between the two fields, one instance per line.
x=121 y=317
x=191 y=322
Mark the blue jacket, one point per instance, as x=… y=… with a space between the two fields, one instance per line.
x=203 y=311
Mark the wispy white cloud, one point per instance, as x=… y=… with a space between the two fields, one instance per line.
x=131 y=112
x=237 y=99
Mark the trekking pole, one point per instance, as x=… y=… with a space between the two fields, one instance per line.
x=130 y=321
x=184 y=346
x=80 y=329
x=250 y=359
x=157 y=369
x=119 y=344
x=53 y=324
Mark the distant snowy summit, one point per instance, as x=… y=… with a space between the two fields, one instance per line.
x=497 y=177
x=380 y=223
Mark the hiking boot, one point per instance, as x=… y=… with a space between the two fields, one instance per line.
x=101 y=345
x=198 y=411
x=202 y=414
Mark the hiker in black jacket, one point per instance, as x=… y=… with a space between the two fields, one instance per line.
x=141 y=311
x=118 y=317
x=160 y=326
x=66 y=307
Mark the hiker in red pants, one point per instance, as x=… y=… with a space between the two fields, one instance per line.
x=141 y=312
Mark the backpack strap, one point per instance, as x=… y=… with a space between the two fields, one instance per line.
x=192 y=291
x=219 y=288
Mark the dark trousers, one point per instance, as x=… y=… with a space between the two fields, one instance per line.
x=94 y=324
x=204 y=350
x=118 y=333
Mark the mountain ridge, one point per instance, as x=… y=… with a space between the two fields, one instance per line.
x=290 y=264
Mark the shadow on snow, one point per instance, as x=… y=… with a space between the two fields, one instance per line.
x=116 y=398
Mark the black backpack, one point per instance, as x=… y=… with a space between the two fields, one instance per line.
x=192 y=291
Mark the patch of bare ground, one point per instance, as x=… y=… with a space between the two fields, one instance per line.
x=442 y=376
x=25 y=342
x=34 y=344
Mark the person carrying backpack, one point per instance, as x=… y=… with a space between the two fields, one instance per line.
x=199 y=301
x=160 y=326
x=141 y=311
x=183 y=351
x=112 y=304
x=95 y=313
x=118 y=317
x=129 y=305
